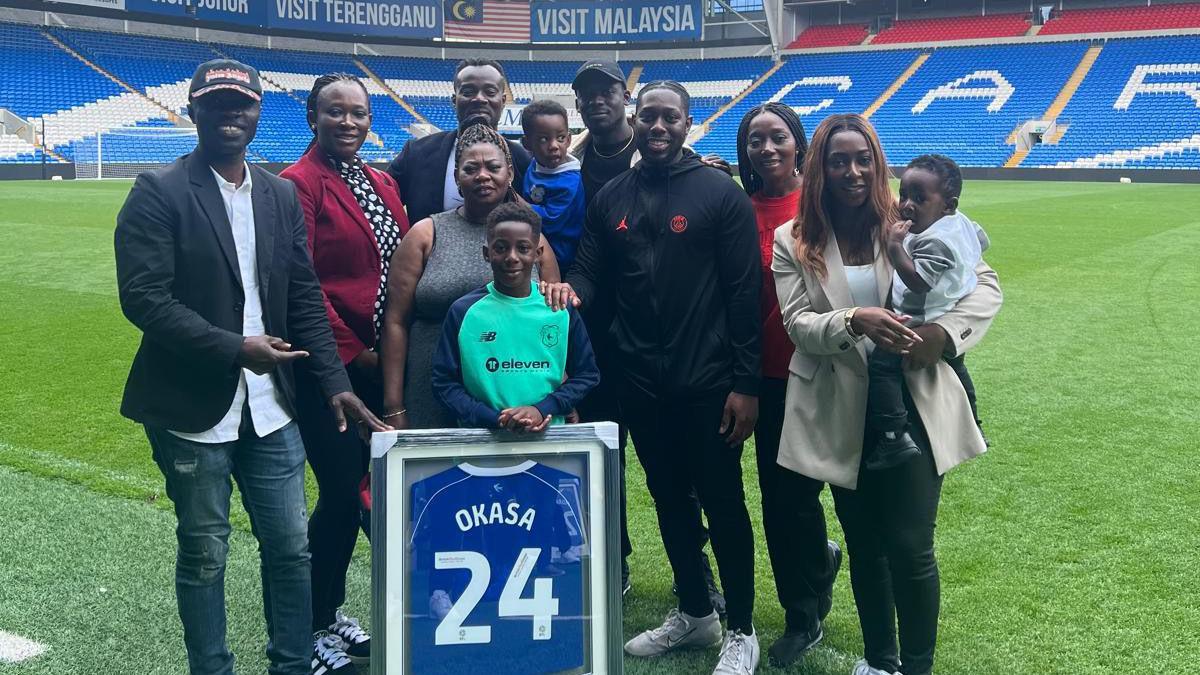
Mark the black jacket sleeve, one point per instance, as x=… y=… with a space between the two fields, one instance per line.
x=582 y=373
x=308 y=324
x=739 y=269
x=145 y=253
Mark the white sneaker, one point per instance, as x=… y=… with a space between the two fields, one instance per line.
x=864 y=668
x=329 y=656
x=679 y=631
x=358 y=642
x=739 y=655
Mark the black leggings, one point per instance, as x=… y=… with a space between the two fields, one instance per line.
x=793 y=519
x=889 y=522
x=339 y=461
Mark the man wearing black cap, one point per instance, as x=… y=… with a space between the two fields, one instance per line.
x=424 y=169
x=213 y=267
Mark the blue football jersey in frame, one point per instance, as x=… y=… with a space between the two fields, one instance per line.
x=486 y=588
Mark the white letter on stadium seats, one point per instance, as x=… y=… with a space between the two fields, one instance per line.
x=1000 y=92
x=1137 y=83
x=840 y=81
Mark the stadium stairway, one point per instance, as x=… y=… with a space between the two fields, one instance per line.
x=170 y=114
x=895 y=87
x=635 y=73
x=704 y=127
x=382 y=84
x=1056 y=107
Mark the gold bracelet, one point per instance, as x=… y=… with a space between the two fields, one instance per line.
x=849 y=316
x=398 y=412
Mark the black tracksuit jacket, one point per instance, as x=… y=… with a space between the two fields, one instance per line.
x=678 y=245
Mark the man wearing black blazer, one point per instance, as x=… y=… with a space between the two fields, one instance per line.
x=424 y=169
x=213 y=267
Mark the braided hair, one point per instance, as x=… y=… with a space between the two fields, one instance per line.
x=482 y=133
x=751 y=181
x=324 y=81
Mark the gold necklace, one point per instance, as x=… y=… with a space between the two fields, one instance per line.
x=592 y=146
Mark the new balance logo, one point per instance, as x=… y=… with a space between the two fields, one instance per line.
x=488 y=336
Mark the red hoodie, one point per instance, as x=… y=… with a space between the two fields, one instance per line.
x=777 y=347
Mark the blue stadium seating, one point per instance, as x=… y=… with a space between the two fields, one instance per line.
x=38 y=78
x=1110 y=122
x=138 y=60
x=750 y=68
x=869 y=73
x=974 y=128
x=1163 y=116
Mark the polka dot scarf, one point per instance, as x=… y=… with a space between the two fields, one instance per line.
x=387 y=232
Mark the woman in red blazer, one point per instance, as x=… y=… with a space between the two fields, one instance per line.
x=355 y=220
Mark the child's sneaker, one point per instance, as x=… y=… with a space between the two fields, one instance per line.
x=892 y=449
x=329 y=656
x=358 y=642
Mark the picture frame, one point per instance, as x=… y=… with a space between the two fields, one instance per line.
x=435 y=489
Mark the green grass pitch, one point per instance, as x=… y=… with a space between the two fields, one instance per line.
x=1071 y=547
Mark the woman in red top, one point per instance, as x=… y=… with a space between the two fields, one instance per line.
x=771 y=146
x=355 y=221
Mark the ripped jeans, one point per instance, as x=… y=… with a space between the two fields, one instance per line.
x=270 y=475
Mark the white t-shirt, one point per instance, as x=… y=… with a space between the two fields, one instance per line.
x=945 y=256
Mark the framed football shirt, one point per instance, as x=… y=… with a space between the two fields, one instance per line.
x=494 y=551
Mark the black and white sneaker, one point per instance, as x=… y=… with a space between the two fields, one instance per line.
x=329 y=656
x=358 y=642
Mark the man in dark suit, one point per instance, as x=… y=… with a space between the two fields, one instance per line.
x=213 y=267
x=424 y=169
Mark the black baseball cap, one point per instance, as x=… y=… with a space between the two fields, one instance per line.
x=603 y=68
x=225 y=74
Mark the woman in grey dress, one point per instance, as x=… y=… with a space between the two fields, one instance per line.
x=439 y=261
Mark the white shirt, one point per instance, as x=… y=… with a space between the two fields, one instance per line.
x=452 y=199
x=863 y=290
x=945 y=256
x=268 y=408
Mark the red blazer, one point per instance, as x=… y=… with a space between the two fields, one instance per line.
x=345 y=254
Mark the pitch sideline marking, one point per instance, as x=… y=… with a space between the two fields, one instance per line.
x=15 y=649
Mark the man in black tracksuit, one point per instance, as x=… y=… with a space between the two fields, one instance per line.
x=677 y=241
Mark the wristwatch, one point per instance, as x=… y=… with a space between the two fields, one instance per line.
x=849 y=316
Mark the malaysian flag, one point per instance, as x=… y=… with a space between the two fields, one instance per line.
x=487 y=20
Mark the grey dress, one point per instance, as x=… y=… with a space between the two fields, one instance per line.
x=455 y=267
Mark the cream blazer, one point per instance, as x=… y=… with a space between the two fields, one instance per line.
x=827 y=383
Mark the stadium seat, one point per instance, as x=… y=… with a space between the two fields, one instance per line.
x=1116 y=19
x=954 y=28
x=842 y=35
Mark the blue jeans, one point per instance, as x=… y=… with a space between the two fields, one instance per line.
x=270 y=475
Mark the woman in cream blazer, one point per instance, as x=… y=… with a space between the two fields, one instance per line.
x=888 y=516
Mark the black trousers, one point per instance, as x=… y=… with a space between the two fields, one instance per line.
x=339 y=461
x=685 y=457
x=601 y=405
x=793 y=519
x=885 y=397
x=889 y=522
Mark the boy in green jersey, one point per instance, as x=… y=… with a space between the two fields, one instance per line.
x=505 y=359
